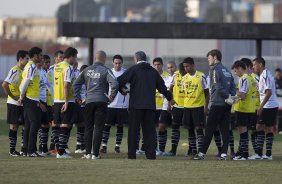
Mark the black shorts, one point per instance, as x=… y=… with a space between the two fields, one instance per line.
x=165 y=117
x=50 y=113
x=157 y=117
x=254 y=120
x=15 y=114
x=268 y=116
x=117 y=116
x=79 y=114
x=177 y=115
x=44 y=115
x=68 y=117
x=194 y=117
x=243 y=119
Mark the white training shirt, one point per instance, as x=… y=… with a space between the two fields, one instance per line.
x=244 y=85
x=120 y=101
x=43 y=84
x=266 y=81
x=168 y=81
x=12 y=78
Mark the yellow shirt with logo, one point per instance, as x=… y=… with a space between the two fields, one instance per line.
x=63 y=72
x=159 y=97
x=14 y=79
x=178 y=91
x=194 y=87
x=247 y=85
x=30 y=72
x=256 y=93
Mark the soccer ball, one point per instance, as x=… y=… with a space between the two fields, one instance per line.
x=126 y=88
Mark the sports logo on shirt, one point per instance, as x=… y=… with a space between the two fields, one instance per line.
x=93 y=75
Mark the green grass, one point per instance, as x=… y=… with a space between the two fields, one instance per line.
x=115 y=168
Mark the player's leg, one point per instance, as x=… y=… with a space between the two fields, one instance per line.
x=111 y=120
x=270 y=122
x=162 y=134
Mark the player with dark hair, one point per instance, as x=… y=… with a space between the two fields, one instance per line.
x=30 y=97
x=117 y=110
x=15 y=115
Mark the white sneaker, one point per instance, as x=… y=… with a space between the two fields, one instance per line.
x=68 y=151
x=223 y=156
x=239 y=158
x=78 y=151
x=159 y=153
x=83 y=151
x=264 y=157
x=65 y=155
x=88 y=156
x=140 y=152
x=96 y=158
x=280 y=132
x=255 y=157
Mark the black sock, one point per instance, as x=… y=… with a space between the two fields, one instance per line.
x=254 y=141
x=68 y=136
x=13 y=140
x=119 y=135
x=269 y=142
x=217 y=140
x=200 y=139
x=231 y=141
x=44 y=139
x=260 y=142
x=55 y=138
x=244 y=144
x=106 y=135
x=22 y=139
x=138 y=139
x=175 y=136
x=192 y=140
x=80 y=144
x=162 y=140
x=63 y=140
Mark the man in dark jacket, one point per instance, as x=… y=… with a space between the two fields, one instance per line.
x=221 y=86
x=144 y=80
x=97 y=78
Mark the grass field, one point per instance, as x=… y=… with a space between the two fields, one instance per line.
x=115 y=168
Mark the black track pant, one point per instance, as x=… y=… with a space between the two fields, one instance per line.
x=95 y=115
x=219 y=116
x=32 y=119
x=145 y=118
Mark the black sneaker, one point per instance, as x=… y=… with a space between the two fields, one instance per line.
x=15 y=153
x=103 y=149
x=199 y=156
x=117 y=149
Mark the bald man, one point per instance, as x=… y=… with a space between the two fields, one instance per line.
x=98 y=79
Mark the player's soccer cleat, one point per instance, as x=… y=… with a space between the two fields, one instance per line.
x=239 y=158
x=96 y=158
x=78 y=151
x=232 y=155
x=169 y=154
x=44 y=154
x=264 y=157
x=65 y=155
x=67 y=150
x=53 y=152
x=159 y=153
x=223 y=156
x=199 y=156
x=255 y=157
x=88 y=156
x=15 y=154
x=103 y=149
x=140 y=152
x=117 y=149
x=35 y=154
